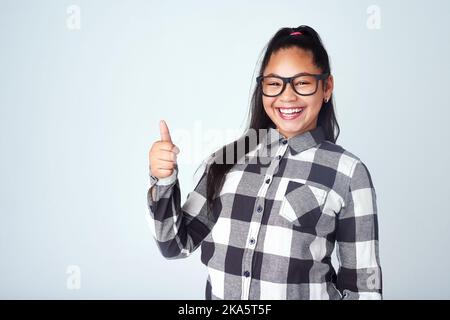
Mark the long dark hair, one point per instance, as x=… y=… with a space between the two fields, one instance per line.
x=309 y=41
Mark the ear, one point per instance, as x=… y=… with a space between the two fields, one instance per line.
x=329 y=86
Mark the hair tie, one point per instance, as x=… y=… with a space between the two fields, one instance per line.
x=295 y=33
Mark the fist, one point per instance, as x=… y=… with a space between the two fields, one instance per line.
x=163 y=154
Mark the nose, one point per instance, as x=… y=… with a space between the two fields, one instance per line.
x=288 y=94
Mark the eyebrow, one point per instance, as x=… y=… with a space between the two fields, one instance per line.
x=295 y=75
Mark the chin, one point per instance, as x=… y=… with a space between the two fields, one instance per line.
x=291 y=127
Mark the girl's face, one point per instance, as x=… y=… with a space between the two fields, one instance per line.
x=287 y=63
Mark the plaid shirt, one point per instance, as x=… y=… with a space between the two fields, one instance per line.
x=276 y=221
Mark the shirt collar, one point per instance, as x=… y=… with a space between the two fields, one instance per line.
x=297 y=144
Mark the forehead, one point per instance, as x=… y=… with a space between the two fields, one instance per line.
x=290 y=61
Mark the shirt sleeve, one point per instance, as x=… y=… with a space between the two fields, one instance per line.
x=359 y=275
x=178 y=230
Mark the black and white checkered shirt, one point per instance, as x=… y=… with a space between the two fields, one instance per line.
x=276 y=221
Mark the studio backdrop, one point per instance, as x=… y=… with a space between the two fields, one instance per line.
x=84 y=84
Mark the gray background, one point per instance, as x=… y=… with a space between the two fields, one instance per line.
x=80 y=110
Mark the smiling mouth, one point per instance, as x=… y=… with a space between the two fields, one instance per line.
x=290 y=113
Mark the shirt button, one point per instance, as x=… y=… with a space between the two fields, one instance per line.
x=259 y=209
x=278 y=157
x=284 y=141
x=252 y=241
x=246 y=274
x=268 y=180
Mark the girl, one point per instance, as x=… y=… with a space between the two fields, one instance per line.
x=268 y=225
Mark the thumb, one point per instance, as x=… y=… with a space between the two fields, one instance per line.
x=164 y=130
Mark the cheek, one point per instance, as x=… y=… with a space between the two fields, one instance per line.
x=314 y=103
x=268 y=103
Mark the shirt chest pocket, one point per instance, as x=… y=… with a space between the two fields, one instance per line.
x=302 y=204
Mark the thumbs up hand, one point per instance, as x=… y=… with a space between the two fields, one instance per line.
x=163 y=154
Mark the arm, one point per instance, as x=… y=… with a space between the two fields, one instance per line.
x=359 y=275
x=178 y=230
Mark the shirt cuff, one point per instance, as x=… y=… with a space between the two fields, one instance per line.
x=350 y=295
x=164 y=181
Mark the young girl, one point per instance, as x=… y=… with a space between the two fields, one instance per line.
x=268 y=225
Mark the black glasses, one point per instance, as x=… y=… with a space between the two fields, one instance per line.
x=304 y=84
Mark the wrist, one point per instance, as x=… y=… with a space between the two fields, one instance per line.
x=164 y=181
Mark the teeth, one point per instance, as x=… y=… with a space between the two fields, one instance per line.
x=289 y=111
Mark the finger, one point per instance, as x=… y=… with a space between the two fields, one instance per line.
x=165 y=146
x=166 y=165
x=164 y=171
x=164 y=130
x=168 y=146
x=167 y=155
x=168 y=160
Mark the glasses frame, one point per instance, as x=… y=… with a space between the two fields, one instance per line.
x=285 y=80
